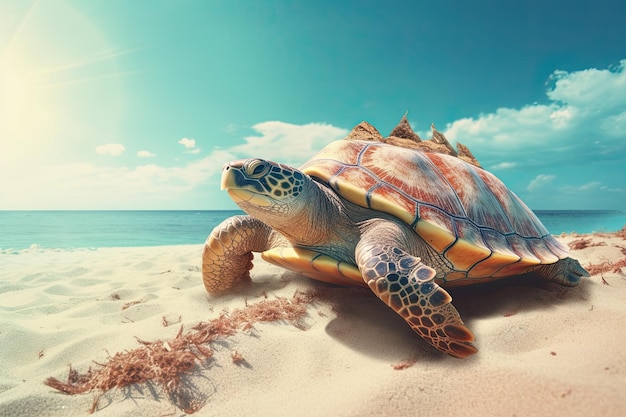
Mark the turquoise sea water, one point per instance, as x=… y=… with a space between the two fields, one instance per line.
x=92 y=229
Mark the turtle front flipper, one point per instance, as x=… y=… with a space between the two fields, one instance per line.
x=408 y=286
x=227 y=255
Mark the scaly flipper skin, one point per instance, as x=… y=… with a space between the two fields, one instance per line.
x=408 y=286
x=227 y=256
x=566 y=272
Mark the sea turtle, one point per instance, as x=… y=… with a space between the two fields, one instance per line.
x=403 y=216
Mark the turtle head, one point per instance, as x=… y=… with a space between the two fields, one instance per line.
x=289 y=201
x=265 y=189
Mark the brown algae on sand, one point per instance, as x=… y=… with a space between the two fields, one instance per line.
x=606 y=265
x=165 y=362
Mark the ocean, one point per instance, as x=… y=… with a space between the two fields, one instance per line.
x=93 y=229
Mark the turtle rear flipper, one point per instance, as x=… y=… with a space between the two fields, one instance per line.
x=566 y=272
x=408 y=286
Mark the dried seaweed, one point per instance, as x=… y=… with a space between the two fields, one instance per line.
x=405 y=364
x=132 y=303
x=606 y=266
x=619 y=234
x=165 y=362
x=583 y=243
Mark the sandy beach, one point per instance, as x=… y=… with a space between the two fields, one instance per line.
x=544 y=350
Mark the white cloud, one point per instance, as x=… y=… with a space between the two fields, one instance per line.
x=230 y=128
x=188 y=143
x=602 y=87
x=590 y=186
x=562 y=117
x=289 y=143
x=90 y=186
x=612 y=189
x=539 y=182
x=615 y=125
x=583 y=120
x=113 y=149
x=145 y=154
x=599 y=186
x=504 y=165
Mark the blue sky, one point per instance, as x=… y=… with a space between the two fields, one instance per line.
x=114 y=104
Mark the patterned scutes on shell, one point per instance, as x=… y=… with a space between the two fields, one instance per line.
x=462 y=211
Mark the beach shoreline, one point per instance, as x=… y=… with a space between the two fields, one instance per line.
x=543 y=349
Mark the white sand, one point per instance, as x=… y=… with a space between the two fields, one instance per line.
x=544 y=350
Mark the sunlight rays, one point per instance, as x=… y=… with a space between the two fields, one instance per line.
x=16 y=33
x=84 y=63
x=59 y=76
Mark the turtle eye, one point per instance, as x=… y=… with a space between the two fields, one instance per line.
x=256 y=168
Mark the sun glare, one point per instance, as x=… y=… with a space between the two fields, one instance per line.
x=57 y=80
x=20 y=102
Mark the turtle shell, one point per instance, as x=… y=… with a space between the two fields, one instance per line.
x=464 y=212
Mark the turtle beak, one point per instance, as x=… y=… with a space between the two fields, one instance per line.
x=229 y=178
x=230 y=172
